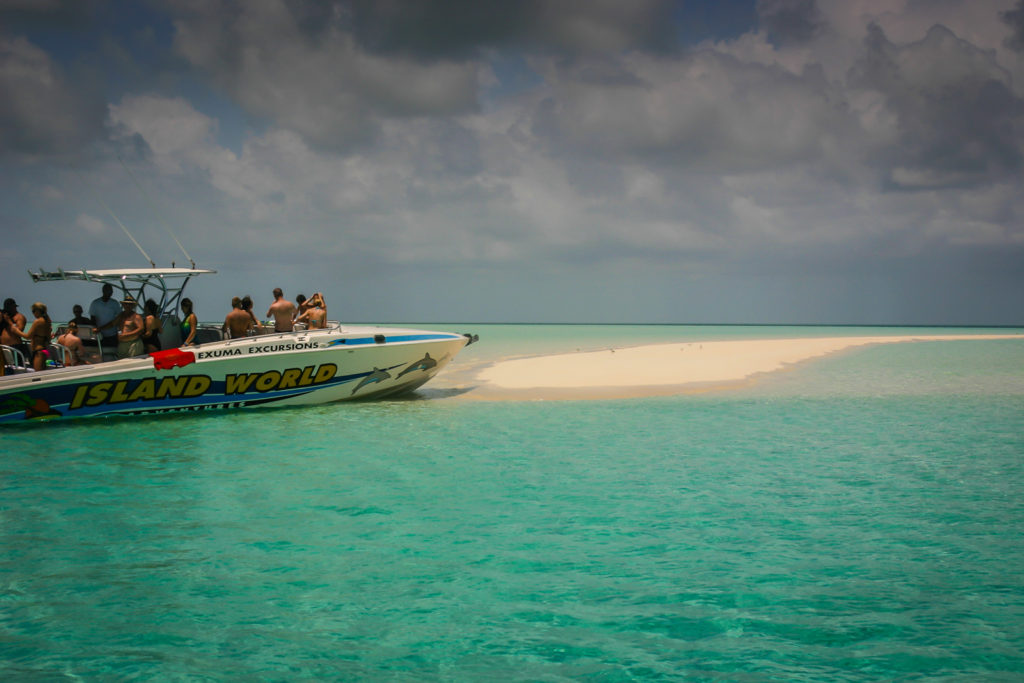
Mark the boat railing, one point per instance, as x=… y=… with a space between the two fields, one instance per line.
x=328 y=325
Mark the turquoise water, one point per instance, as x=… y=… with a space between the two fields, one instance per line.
x=858 y=518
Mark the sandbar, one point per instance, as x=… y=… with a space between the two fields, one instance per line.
x=661 y=369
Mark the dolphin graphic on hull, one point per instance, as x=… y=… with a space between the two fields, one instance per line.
x=424 y=363
x=374 y=377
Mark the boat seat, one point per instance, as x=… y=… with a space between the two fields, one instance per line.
x=170 y=335
x=60 y=356
x=14 y=361
x=208 y=333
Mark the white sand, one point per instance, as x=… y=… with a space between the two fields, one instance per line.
x=676 y=365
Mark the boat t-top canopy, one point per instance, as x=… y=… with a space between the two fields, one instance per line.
x=116 y=275
x=168 y=283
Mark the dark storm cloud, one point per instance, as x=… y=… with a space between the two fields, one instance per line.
x=789 y=21
x=298 y=66
x=18 y=15
x=959 y=122
x=1015 y=20
x=41 y=110
x=452 y=30
x=705 y=109
x=334 y=71
x=460 y=28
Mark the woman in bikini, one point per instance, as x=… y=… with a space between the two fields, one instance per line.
x=38 y=336
x=315 y=316
x=189 y=324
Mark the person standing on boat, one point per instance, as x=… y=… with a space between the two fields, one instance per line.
x=38 y=336
x=106 y=313
x=13 y=325
x=282 y=311
x=79 y=318
x=238 y=323
x=190 y=323
x=5 y=322
x=257 y=328
x=153 y=326
x=129 y=338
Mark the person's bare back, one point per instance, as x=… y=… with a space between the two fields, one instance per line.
x=282 y=311
x=315 y=318
x=238 y=323
x=73 y=344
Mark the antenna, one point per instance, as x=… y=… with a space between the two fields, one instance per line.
x=118 y=221
x=153 y=208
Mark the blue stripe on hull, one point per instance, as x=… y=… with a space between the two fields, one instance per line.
x=57 y=400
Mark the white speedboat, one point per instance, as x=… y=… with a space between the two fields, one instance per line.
x=302 y=367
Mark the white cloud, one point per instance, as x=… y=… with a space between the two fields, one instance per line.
x=172 y=129
x=91 y=225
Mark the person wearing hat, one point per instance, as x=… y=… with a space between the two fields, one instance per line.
x=129 y=337
x=13 y=324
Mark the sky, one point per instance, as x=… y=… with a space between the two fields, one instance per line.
x=550 y=161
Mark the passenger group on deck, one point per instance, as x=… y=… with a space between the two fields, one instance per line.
x=115 y=329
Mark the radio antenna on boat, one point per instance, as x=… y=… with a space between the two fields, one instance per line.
x=118 y=221
x=152 y=206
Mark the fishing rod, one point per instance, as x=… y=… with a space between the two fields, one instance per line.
x=152 y=207
x=118 y=221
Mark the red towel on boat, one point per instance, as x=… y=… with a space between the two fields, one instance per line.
x=172 y=358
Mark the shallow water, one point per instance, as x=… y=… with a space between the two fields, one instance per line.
x=858 y=518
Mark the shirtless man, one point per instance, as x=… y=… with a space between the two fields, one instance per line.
x=282 y=311
x=129 y=337
x=238 y=323
x=73 y=344
x=315 y=316
x=13 y=320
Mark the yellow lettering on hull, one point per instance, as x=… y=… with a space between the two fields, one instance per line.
x=172 y=387
x=268 y=381
x=238 y=384
x=118 y=395
x=197 y=386
x=272 y=380
x=193 y=386
x=146 y=390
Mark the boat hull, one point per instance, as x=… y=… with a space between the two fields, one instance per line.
x=291 y=369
